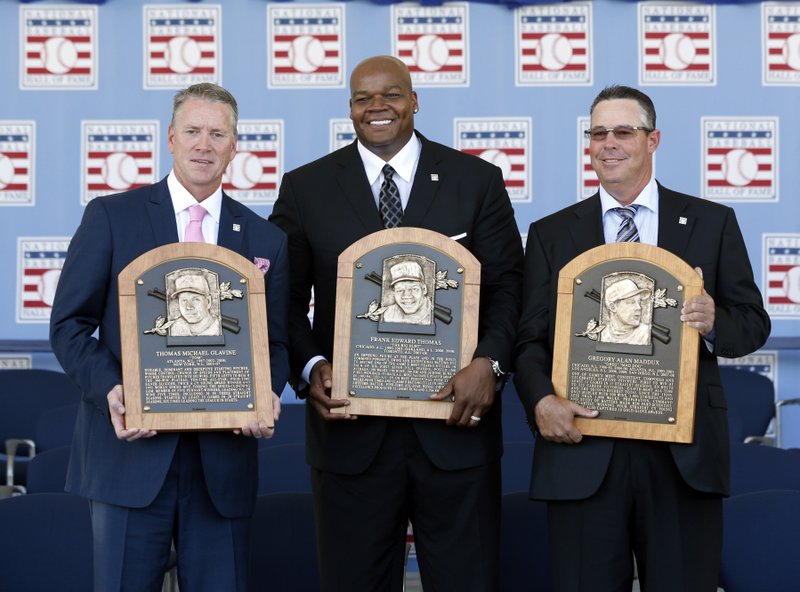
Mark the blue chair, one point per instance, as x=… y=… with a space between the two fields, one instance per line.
x=46 y=543
x=24 y=396
x=54 y=427
x=751 y=403
x=283 y=548
x=47 y=471
x=524 y=547
x=283 y=468
x=761 y=539
x=291 y=427
x=760 y=468
x=516 y=466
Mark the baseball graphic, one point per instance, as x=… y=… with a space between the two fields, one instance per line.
x=792 y=284
x=499 y=159
x=555 y=51
x=791 y=51
x=245 y=170
x=430 y=53
x=182 y=54
x=119 y=170
x=47 y=286
x=677 y=51
x=739 y=167
x=59 y=55
x=306 y=53
x=6 y=171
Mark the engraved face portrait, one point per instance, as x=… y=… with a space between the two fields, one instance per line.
x=627 y=313
x=406 y=294
x=192 y=305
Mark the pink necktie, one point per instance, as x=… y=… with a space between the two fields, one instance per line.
x=194 y=229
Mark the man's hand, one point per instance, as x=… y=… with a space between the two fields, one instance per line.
x=473 y=390
x=698 y=312
x=259 y=430
x=116 y=408
x=554 y=419
x=319 y=393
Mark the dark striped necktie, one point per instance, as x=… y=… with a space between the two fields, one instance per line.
x=389 y=204
x=627 y=233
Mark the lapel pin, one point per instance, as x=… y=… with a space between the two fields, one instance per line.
x=237 y=228
x=434 y=176
x=682 y=220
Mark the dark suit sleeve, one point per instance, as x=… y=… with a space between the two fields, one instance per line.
x=741 y=324
x=534 y=358
x=496 y=244
x=277 y=286
x=285 y=215
x=80 y=305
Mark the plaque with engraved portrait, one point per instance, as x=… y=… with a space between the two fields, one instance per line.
x=406 y=321
x=195 y=350
x=620 y=345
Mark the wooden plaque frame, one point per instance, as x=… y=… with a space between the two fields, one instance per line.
x=573 y=336
x=244 y=278
x=397 y=242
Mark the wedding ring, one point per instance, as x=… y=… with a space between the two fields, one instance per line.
x=474 y=418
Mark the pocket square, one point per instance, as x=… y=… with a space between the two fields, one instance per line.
x=261 y=263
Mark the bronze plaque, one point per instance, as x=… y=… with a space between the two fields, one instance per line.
x=406 y=321
x=620 y=346
x=195 y=351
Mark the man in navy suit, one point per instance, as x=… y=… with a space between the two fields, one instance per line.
x=371 y=475
x=610 y=499
x=149 y=490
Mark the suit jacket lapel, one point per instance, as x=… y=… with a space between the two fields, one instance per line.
x=587 y=230
x=424 y=188
x=353 y=183
x=674 y=222
x=162 y=214
x=231 y=225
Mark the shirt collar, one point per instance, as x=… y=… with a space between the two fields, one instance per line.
x=648 y=198
x=403 y=162
x=182 y=199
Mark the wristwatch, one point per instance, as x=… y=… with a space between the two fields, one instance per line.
x=498 y=372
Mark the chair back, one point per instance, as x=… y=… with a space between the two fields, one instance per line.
x=283 y=548
x=761 y=539
x=291 y=427
x=751 y=402
x=54 y=427
x=524 y=546
x=46 y=543
x=47 y=471
x=759 y=468
x=516 y=466
x=283 y=469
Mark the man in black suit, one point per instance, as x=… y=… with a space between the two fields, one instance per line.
x=372 y=475
x=611 y=499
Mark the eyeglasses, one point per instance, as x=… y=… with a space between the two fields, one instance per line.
x=621 y=132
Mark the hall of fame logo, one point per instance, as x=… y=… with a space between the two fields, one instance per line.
x=39 y=266
x=58 y=48
x=764 y=362
x=588 y=183
x=780 y=34
x=117 y=156
x=677 y=44
x=432 y=42
x=503 y=142
x=342 y=133
x=16 y=361
x=741 y=158
x=182 y=46
x=781 y=267
x=17 y=163
x=252 y=176
x=553 y=44
x=306 y=45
